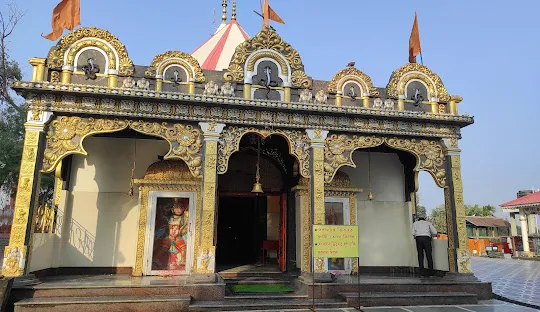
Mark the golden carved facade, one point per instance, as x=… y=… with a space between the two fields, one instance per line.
x=352 y=74
x=429 y=153
x=81 y=38
x=230 y=143
x=184 y=60
x=402 y=75
x=171 y=116
x=270 y=44
x=67 y=133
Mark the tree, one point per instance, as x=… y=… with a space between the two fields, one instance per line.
x=420 y=210
x=9 y=69
x=483 y=211
x=438 y=218
x=13 y=112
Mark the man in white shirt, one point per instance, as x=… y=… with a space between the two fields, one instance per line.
x=423 y=231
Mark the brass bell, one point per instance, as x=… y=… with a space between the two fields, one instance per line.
x=257 y=188
x=370 y=195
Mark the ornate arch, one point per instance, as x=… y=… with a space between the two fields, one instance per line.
x=67 y=133
x=63 y=54
x=351 y=73
x=401 y=76
x=270 y=41
x=230 y=143
x=182 y=59
x=429 y=153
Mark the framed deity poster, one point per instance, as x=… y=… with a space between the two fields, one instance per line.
x=336 y=212
x=169 y=247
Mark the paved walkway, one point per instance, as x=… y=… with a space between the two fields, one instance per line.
x=518 y=280
x=487 y=306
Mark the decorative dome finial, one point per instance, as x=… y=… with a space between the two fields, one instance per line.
x=224 y=11
x=233 y=17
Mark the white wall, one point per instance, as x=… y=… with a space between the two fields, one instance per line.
x=384 y=223
x=102 y=217
x=42 y=251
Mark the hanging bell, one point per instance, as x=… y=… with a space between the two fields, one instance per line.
x=257 y=188
x=370 y=195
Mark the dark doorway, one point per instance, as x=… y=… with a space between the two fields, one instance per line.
x=241 y=230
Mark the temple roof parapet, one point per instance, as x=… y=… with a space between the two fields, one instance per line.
x=265 y=72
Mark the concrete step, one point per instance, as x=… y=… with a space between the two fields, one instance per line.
x=375 y=299
x=244 y=297
x=109 y=304
x=266 y=304
x=203 y=292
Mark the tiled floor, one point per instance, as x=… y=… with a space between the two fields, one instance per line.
x=490 y=306
x=518 y=280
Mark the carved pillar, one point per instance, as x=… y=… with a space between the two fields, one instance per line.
x=207 y=249
x=524 y=233
x=113 y=78
x=18 y=253
x=338 y=98
x=513 y=227
x=287 y=92
x=458 y=252
x=434 y=107
x=67 y=72
x=453 y=107
x=317 y=138
x=159 y=83
x=38 y=68
x=366 y=101
x=247 y=91
x=191 y=87
x=401 y=103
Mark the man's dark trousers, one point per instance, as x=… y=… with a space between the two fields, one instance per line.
x=424 y=243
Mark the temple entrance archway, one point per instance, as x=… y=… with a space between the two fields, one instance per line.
x=247 y=221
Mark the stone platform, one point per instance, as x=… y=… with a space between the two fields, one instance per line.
x=182 y=293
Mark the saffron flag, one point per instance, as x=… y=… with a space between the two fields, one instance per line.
x=66 y=15
x=270 y=14
x=414 y=42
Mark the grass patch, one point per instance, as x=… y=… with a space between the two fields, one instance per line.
x=261 y=288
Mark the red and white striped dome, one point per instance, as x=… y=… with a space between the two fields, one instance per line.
x=216 y=53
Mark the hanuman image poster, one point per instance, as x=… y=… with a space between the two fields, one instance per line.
x=170 y=234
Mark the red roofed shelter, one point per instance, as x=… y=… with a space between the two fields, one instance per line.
x=527 y=206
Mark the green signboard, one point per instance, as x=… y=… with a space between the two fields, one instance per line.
x=335 y=241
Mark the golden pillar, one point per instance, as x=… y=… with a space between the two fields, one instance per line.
x=453 y=107
x=458 y=251
x=317 y=138
x=112 y=81
x=366 y=101
x=401 y=104
x=38 y=68
x=17 y=254
x=338 y=99
x=159 y=83
x=287 y=96
x=67 y=72
x=207 y=249
x=247 y=91
x=434 y=107
x=191 y=87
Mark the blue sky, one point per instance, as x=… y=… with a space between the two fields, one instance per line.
x=486 y=51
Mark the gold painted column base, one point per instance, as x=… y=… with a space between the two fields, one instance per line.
x=401 y=104
x=434 y=108
x=338 y=99
x=247 y=91
x=191 y=87
x=66 y=76
x=112 y=81
x=287 y=94
x=366 y=102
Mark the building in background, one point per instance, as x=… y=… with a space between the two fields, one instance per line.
x=527 y=206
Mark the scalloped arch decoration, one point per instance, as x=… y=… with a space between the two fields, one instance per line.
x=267 y=40
x=401 y=76
x=351 y=73
x=63 y=54
x=188 y=62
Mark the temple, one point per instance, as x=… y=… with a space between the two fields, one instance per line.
x=190 y=165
